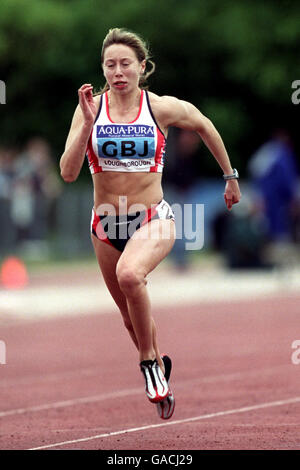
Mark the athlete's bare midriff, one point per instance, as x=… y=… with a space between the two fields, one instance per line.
x=122 y=190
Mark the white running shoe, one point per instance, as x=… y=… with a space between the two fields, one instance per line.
x=156 y=384
x=165 y=408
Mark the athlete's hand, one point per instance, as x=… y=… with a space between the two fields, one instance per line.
x=232 y=193
x=87 y=104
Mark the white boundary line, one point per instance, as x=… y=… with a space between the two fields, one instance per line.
x=118 y=394
x=244 y=409
x=75 y=401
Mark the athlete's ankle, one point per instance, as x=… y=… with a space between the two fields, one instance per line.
x=161 y=365
x=147 y=356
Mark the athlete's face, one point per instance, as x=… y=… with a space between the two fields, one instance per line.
x=121 y=68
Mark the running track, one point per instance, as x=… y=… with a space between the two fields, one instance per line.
x=72 y=382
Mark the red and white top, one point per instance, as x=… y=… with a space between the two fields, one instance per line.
x=138 y=145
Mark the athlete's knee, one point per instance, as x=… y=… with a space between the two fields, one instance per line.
x=129 y=279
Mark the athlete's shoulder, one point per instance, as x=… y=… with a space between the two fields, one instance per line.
x=162 y=101
x=165 y=107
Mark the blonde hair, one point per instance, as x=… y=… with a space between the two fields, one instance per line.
x=135 y=42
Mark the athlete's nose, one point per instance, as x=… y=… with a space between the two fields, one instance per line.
x=118 y=70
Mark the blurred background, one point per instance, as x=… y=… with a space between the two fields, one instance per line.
x=235 y=61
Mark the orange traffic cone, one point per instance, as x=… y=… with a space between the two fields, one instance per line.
x=14 y=273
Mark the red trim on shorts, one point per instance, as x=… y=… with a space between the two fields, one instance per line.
x=97 y=227
x=150 y=213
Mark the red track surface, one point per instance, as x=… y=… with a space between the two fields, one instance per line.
x=225 y=357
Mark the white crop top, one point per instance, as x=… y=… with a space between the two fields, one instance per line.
x=134 y=146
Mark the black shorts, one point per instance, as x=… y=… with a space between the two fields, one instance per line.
x=116 y=230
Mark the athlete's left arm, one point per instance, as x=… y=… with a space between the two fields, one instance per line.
x=182 y=114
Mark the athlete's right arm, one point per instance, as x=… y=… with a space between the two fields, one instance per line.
x=81 y=127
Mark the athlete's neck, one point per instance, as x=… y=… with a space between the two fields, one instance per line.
x=124 y=103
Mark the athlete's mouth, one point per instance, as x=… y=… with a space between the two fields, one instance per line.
x=120 y=83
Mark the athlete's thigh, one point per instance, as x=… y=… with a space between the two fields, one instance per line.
x=148 y=246
x=108 y=257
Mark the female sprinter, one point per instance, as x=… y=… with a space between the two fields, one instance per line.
x=123 y=131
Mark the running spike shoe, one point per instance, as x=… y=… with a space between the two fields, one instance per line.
x=168 y=366
x=165 y=408
x=156 y=384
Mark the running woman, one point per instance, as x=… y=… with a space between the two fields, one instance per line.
x=123 y=132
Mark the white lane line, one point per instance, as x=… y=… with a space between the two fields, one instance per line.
x=48 y=377
x=75 y=401
x=120 y=394
x=244 y=409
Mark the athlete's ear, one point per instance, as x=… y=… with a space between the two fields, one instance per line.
x=143 y=66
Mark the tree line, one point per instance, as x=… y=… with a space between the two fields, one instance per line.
x=236 y=61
